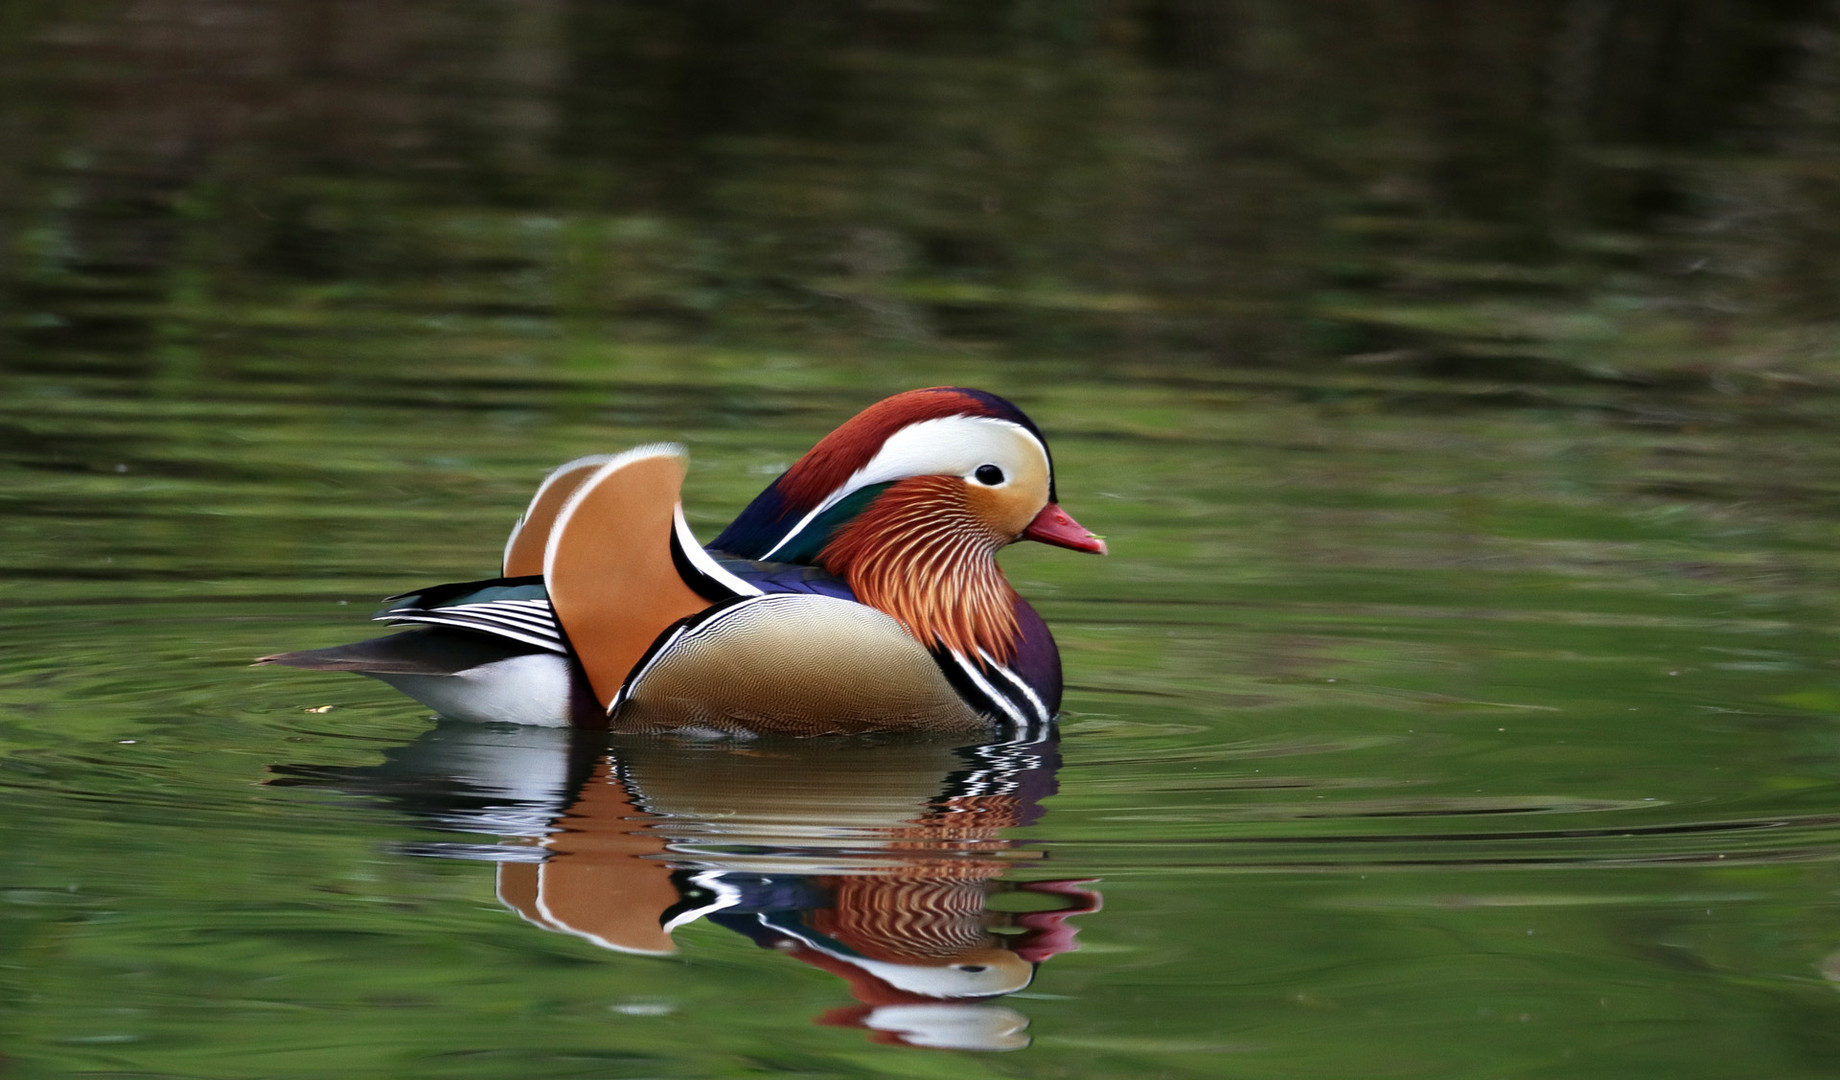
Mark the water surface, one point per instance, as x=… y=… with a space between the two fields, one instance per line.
x=1446 y=740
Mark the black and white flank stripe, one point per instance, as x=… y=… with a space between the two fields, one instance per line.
x=531 y=621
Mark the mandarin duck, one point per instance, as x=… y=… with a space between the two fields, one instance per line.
x=859 y=592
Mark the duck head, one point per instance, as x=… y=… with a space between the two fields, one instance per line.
x=999 y=458
x=909 y=501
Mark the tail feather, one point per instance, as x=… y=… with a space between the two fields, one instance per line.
x=427 y=650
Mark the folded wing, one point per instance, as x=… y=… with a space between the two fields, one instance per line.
x=609 y=562
x=529 y=538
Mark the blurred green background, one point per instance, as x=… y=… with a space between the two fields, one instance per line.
x=1530 y=190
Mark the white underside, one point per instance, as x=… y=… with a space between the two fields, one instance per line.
x=529 y=689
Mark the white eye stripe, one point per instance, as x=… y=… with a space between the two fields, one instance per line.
x=946 y=446
x=949 y=445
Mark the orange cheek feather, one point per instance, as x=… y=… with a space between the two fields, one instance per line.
x=921 y=555
x=1004 y=511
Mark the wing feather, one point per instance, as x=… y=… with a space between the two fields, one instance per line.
x=530 y=536
x=609 y=565
x=528 y=621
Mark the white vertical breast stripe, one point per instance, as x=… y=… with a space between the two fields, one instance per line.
x=1041 y=710
x=1002 y=701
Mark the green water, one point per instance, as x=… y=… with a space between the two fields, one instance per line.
x=1408 y=743
x=1457 y=396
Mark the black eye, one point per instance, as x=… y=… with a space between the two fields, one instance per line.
x=989 y=474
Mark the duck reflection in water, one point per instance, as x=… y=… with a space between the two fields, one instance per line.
x=880 y=862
